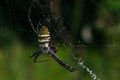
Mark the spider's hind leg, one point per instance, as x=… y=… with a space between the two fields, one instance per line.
x=35 y=59
x=36 y=53
x=66 y=66
x=35 y=56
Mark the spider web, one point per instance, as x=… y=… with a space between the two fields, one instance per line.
x=44 y=10
x=61 y=33
x=68 y=39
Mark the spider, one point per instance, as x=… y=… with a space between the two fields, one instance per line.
x=46 y=47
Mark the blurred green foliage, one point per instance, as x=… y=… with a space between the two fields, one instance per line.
x=99 y=52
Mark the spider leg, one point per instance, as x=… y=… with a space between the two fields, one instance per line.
x=57 y=31
x=29 y=11
x=57 y=25
x=36 y=61
x=58 y=21
x=66 y=66
x=35 y=55
x=38 y=25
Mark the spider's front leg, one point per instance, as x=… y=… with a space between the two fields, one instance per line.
x=35 y=56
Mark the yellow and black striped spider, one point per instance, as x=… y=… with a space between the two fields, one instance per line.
x=44 y=39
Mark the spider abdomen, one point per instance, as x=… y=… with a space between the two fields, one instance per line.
x=44 y=37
